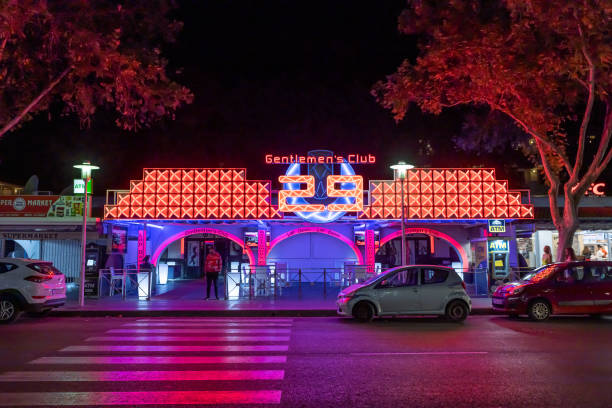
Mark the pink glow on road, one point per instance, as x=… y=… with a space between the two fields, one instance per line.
x=162 y=360
x=28 y=399
x=226 y=348
x=205 y=324
x=212 y=375
x=199 y=331
x=219 y=319
x=191 y=339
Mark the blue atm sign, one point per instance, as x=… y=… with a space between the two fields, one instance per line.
x=497 y=226
x=498 y=245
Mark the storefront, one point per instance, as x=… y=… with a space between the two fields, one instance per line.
x=46 y=227
x=323 y=217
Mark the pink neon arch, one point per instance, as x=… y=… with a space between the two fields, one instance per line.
x=320 y=230
x=201 y=230
x=435 y=233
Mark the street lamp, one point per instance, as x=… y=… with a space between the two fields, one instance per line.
x=86 y=169
x=399 y=173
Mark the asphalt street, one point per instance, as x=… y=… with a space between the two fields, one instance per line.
x=489 y=361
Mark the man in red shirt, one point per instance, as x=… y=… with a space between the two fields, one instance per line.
x=212 y=267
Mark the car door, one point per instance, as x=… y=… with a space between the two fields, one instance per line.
x=572 y=293
x=399 y=293
x=601 y=286
x=4 y=276
x=433 y=289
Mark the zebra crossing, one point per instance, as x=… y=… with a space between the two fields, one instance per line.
x=165 y=361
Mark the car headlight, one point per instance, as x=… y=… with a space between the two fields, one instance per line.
x=518 y=290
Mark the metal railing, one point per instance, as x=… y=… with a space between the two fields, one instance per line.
x=124 y=282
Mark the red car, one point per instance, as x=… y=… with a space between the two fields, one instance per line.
x=583 y=287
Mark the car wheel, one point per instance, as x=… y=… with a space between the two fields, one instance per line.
x=457 y=311
x=539 y=310
x=363 y=312
x=9 y=310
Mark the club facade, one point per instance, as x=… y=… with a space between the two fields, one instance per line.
x=318 y=215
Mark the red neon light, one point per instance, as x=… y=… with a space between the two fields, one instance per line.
x=446 y=194
x=434 y=233
x=296 y=158
x=309 y=191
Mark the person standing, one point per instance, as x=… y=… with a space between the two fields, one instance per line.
x=602 y=254
x=546 y=256
x=212 y=266
x=569 y=255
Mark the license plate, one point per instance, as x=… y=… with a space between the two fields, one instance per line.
x=498 y=301
x=57 y=291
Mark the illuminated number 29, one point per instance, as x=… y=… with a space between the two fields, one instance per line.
x=355 y=193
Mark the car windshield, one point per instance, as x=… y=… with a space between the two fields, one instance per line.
x=539 y=274
x=372 y=279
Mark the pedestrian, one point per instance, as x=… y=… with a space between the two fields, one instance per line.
x=212 y=266
x=546 y=256
x=602 y=254
x=569 y=255
x=586 y=253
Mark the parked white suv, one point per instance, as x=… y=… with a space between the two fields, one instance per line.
x=29 y=285
x=408 y=290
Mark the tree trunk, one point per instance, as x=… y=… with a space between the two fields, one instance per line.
x=566 y=238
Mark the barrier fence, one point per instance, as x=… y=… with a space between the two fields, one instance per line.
x=275 y=282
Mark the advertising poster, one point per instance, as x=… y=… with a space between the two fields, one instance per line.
x=118 y=239
x=41 y=206
x=193 y=253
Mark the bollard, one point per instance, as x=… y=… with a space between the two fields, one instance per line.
x=275 y=282
x=122 y=285
x=300 y=282
x=324 y=285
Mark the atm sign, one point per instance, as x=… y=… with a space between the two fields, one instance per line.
x=498 y=245
x=497 y=226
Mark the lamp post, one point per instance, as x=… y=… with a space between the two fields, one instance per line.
x=399 y=172
x=86 y=169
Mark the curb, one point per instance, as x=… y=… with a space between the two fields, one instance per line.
x=220 y=313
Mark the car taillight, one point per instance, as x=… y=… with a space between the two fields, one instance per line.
x=38 y=278
x=463 y=284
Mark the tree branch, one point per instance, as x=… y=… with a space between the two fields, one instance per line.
x=586 y=118
x=554 y=148
x=13 y=122
x=553 y=190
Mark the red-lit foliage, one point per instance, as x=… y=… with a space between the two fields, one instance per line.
x=86 y=55
x=541 y=64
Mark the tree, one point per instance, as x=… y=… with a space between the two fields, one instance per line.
x=82 y=55
x=544 y=65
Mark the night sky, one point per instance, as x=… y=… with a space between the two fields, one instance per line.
x=268 y=77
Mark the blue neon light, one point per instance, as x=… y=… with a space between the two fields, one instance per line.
x=320 y=216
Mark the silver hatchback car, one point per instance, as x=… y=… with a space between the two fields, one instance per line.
x=408 y=290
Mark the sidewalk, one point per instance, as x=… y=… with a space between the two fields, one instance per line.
x=158 y=306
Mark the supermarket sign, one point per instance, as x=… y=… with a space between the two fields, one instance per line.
x=41 y=206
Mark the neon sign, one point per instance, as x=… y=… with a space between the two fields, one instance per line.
x=319 y=193
x=352 y=158
x=596 y=189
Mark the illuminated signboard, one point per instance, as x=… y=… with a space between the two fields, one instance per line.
x=596 y=189
x=498 y=245
x=497 y=226
x=320 y=191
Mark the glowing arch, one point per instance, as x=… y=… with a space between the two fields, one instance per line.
x=201 y=230
x=435 y=233
x=319 y=230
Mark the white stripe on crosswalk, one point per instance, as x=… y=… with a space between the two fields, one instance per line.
x=197 y=331
x=218 y=319
x=205 y=375
x=193 y=339
x=205 y=324
x=161 y=360
x=149 y=348
x=29 y=399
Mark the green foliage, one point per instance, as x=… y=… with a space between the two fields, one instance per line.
x=87 y=55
